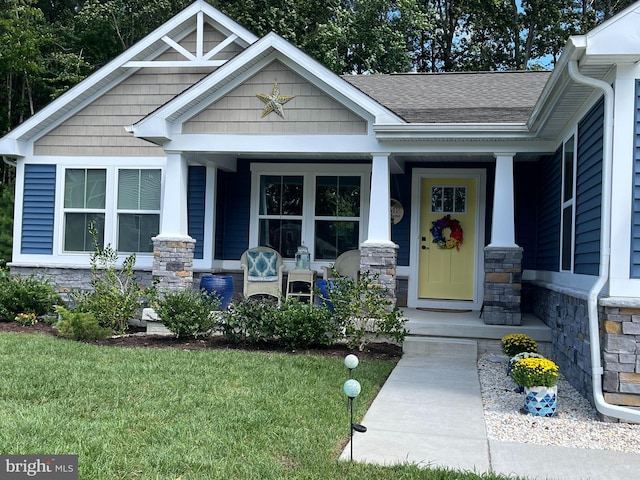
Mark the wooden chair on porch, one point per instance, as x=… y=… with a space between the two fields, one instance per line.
x=347 y=265
x=262 y=268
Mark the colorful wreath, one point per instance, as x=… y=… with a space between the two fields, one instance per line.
x=454 y=240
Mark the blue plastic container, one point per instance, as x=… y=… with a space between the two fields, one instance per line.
x=219 y=285
x=323 y=298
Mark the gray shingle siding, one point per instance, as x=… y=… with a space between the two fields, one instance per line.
x=635 y=208
x=38 y=212
x=589 y=191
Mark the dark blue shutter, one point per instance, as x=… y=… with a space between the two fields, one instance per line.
x=548 y=244
x=38 y=209
x=196 y=203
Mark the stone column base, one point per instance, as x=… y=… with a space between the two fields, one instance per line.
x=381 y=259
x=502 y=285
x=173 y=261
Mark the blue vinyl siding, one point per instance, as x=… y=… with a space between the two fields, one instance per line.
x=232 y=212
x=401 y=191
x=548 y=224
x=589 y=191
x=635 y=207
x=196 y=195
x=38 y=209
x=526 y=207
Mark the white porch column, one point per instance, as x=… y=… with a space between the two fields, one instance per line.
x=174 y=201
x=503 y=222
x=379 y=230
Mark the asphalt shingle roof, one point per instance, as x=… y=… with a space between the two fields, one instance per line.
x=461 y=97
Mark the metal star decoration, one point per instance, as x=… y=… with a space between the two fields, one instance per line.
x=274 y=102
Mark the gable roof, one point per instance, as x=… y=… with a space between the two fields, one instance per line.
x=160 y=40
x=156 y=126
x=463 y=97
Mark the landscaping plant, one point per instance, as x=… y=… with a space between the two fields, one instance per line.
x=365 y=311
x=25 y=295
x=515 y=343
x=532 y=372
x=80 y=325
x=187 y=313
x=249 y=320
x=116 y=296
x=300 y=325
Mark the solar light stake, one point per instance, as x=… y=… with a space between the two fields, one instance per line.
x=352 y=389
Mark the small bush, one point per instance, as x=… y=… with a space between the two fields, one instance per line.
x=365 y=311
x=300 y=325
x=80 y=326
x=249 y=320
x=187 y=313
x=25 y=294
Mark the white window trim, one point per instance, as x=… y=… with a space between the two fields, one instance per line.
x=309 y=171
x=569 y=203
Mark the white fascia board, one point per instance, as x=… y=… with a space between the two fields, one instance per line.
x=283 y=144
x=452 y=131
x=290 y=55
x=93 y=81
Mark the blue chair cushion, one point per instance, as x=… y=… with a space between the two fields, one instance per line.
x=261 y=266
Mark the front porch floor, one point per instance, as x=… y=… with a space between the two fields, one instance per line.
x=469 y=326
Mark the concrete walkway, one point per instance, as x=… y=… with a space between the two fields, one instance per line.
x=429 y=412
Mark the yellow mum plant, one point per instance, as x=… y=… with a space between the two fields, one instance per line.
x=515 y=343
x=532 y=372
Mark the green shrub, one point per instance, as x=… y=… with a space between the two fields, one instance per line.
x=187 y=313
x=300 y=325
x=80 y=325
x=365 y=311
x=249 y=320
x=25 y=294
x=116 y=297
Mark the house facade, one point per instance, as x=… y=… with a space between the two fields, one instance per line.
x=203 y=140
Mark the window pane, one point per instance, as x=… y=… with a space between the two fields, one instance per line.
x=566 y=238
x=447 y=201
x=333 y=238
x=128 y=188
x=96 y=188
x=150 y=189
x=326 y=196
x=76 y=231
x=280 y=195
x=135 y=232
x=284 y=236
x=460 y=200
x=349 y=197
x=436 y=199
x=568 y=170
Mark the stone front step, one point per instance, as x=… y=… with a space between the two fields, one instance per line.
x=430 y=346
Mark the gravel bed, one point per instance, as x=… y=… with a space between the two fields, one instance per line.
x=575 y=424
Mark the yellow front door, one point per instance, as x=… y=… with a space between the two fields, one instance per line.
x=447 y=273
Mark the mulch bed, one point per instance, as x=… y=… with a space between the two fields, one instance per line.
x=137 y=338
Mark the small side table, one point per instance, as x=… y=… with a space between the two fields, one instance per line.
x=300 y=276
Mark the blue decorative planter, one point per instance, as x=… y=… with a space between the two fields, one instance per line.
x=219 y=285
x=323 y=298
x=541 y=401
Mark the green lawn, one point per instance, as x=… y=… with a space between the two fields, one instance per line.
x=165 y=414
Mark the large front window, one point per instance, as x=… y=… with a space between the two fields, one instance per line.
x=321 y=210
x=84 y=203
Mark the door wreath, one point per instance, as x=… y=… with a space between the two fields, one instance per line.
x=454 y=240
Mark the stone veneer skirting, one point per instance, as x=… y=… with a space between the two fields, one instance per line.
x=173 y=261
x=381 y=259
x=566 y=314
x=502 y=285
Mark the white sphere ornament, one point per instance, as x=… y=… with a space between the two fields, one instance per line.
x=351 y=388
x=351 y=361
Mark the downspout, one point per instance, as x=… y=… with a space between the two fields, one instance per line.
x=11 y=163
x=617 y=411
